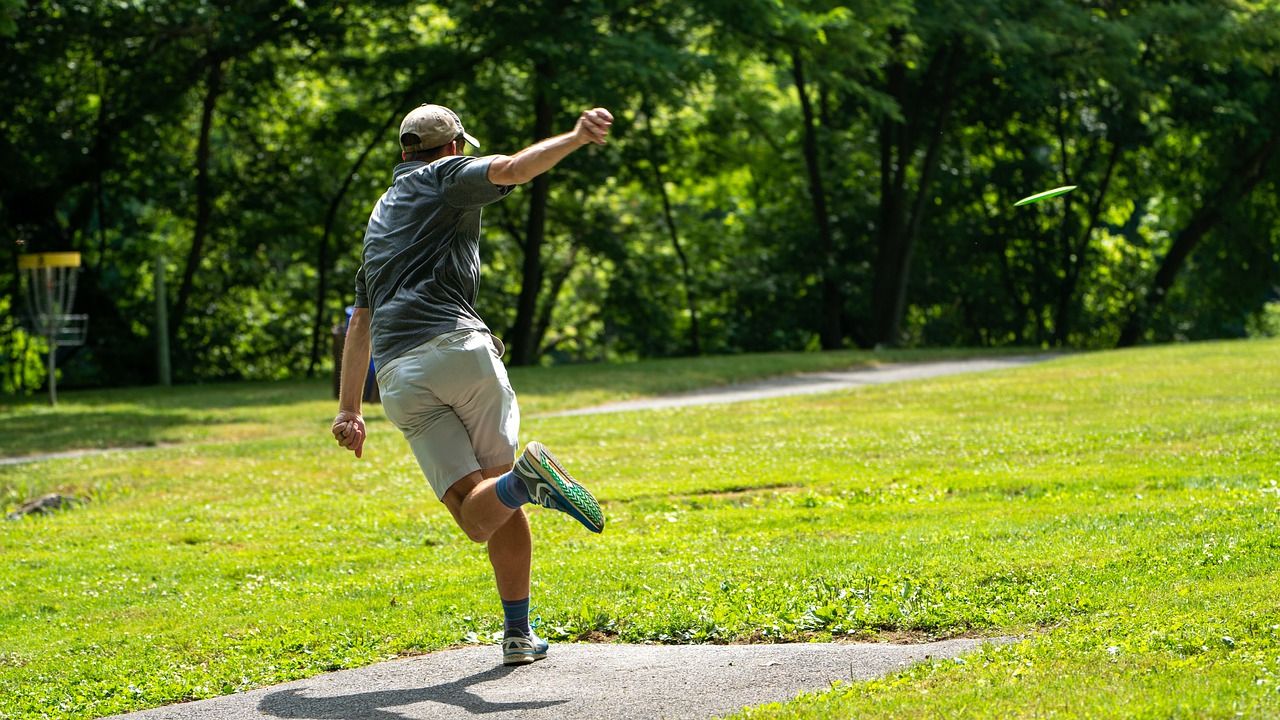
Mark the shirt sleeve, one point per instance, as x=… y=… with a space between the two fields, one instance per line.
x=362 y=292
x=466 y=183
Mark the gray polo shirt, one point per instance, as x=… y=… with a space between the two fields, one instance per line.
x=421 y=260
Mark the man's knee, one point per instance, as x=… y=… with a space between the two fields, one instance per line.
x=474 y=532
x=455 y=497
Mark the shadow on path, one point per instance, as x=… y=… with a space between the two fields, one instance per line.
x=373 y=705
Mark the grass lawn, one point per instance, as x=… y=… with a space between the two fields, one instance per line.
x=1120 y=511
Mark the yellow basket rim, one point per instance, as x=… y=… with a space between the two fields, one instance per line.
x=34 y=261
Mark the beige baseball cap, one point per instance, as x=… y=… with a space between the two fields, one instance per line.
x=431 y=126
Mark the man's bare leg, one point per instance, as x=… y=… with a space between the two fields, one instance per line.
x=475 y=506
x=476 y=509
x=510 y=550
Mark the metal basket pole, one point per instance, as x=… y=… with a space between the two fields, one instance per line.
x=51 y=289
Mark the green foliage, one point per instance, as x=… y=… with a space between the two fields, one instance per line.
x=23 y=356
x=9 y=11
x=700 y=206
x=1266 y=324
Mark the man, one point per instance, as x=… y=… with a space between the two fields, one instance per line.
x=439 y=370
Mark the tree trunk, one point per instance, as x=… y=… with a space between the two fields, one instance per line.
x=12 y=354
x=523 y=349
x=204 y=192
x=322 y=254
x=1190 y=236
x=898 y=228
x=1075 y=257
x=928 y=170
x=686 y=274
x=655 y=161
x=889 y=227
x=101 y=155
x=1237 y=185
x=548 y=307
x=829 y=331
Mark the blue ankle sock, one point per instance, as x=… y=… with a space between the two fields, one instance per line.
x=517 y=616
x=512 y=491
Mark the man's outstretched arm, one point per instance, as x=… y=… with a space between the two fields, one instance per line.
x=348 y=427
x=592 y=127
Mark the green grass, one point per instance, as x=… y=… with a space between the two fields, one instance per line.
x=1120 y=511
x=230 y=412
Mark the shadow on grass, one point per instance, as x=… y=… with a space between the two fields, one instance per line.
x=143 y=417
x=23 y=435
x=373 y=705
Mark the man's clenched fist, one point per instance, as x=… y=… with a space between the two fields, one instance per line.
x=348 y=430
x=593 y=126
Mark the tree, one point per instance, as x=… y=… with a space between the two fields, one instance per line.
x=1226 y=90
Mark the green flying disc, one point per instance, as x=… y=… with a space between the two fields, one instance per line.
x=1045 y=195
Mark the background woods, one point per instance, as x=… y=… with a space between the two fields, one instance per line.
x=782 y=175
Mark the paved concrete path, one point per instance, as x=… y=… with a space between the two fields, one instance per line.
x=575 y=682
x=811 y=383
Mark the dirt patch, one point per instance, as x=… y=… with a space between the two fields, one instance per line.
x=733 y=492
x=729 y=494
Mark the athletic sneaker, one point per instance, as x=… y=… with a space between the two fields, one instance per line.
x=521 y=649
x=551 y=486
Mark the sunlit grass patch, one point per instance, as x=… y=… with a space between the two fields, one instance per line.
x=234 y=412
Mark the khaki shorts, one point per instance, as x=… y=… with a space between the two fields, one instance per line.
x=452 y=400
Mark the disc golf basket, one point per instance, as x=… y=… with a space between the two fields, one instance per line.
x=51 y=291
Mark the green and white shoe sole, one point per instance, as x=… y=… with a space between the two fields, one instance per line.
x=557 y=490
